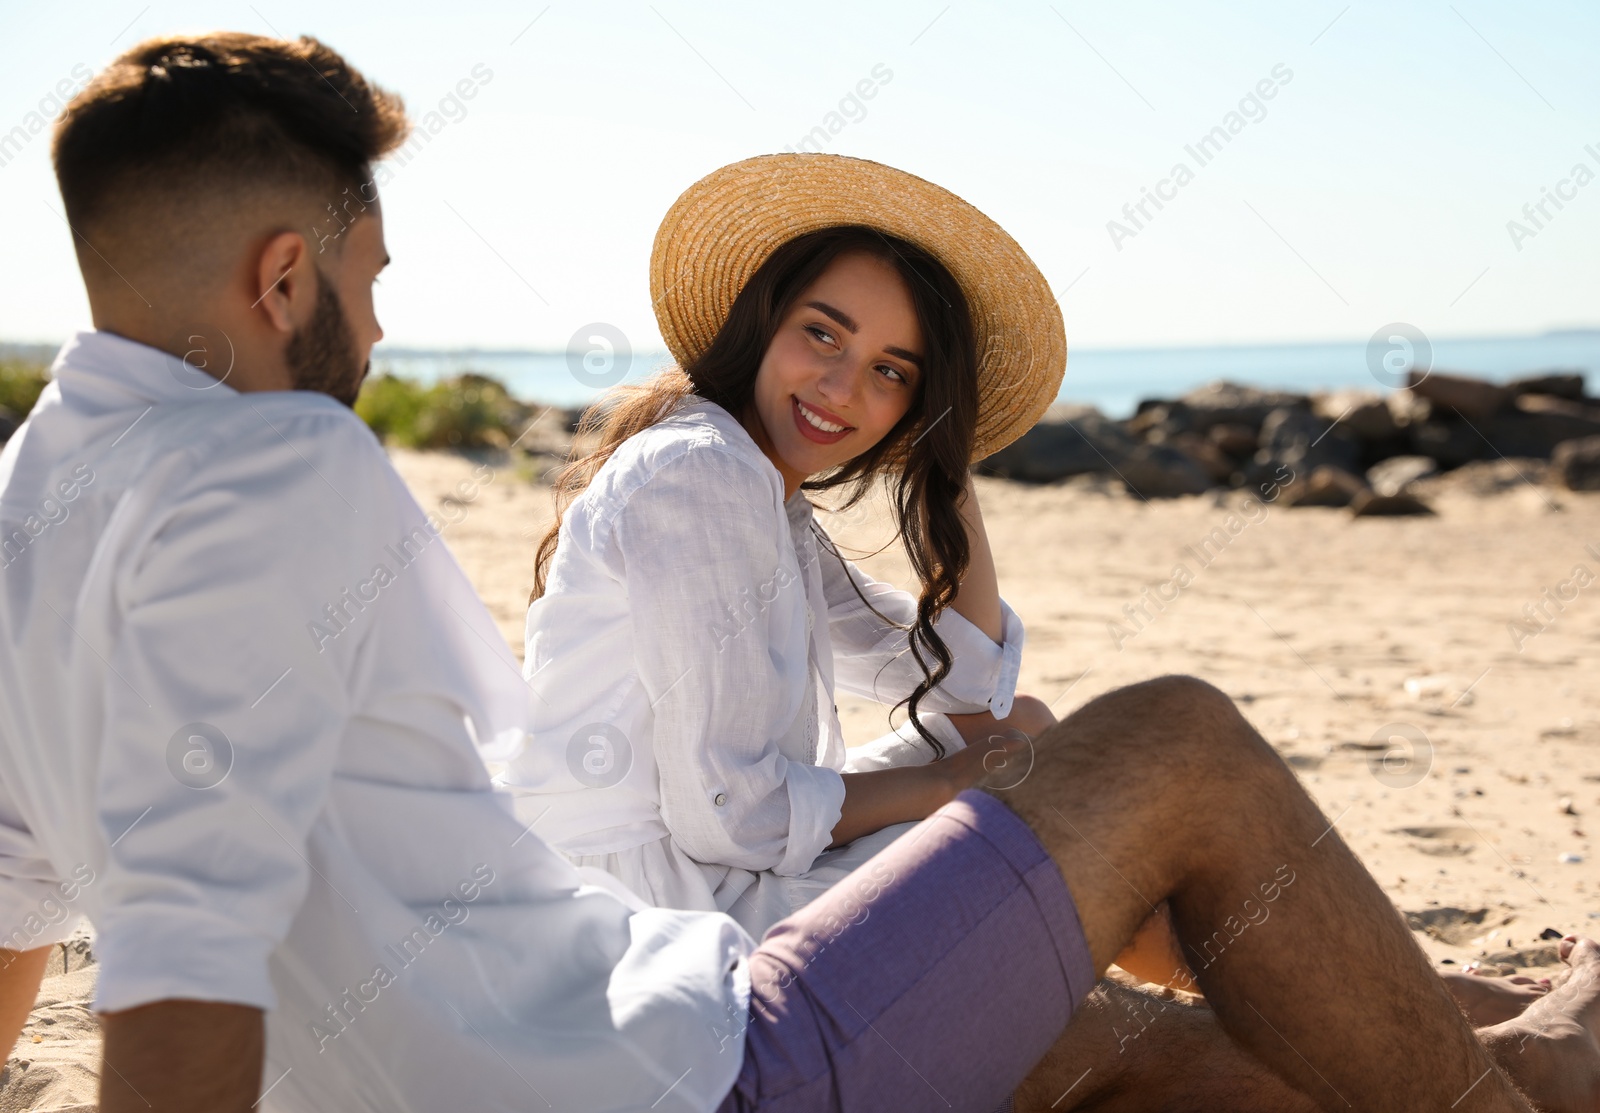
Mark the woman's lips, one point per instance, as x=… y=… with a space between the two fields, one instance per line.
x=810 y=431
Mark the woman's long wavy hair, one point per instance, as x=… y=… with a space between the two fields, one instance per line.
x=922 y=461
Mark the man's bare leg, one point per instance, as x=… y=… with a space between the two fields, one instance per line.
x=1128 y=1051
x=1162 y=791
x=1553 y=1049
x=1155 y=956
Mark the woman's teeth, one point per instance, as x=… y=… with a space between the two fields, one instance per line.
x=817 y=423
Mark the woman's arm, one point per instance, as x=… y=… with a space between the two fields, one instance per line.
x=875 y=800
x=978 y=599
x=869 y=624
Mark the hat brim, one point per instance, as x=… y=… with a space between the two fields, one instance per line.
x=725 y=226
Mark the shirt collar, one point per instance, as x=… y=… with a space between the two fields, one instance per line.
x=98 y=362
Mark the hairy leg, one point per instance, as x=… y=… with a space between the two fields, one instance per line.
x=1163 y=792
x=1553 y=1048
x=1127 y=1051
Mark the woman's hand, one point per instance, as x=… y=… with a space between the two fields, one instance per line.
x=874 y=800
x=999 y=760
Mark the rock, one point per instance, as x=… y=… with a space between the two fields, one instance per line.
x=1069 y=441
x=1469 y=397
x=1370 y=504
x=1220 y=402
x=1154 y=418
x=1448 y=440
x=1205 y=453
x=8 y=424
x=1160 y=471
x=1454 y=441
x=1408 y=408
x=1236 y=440
x=1456 y=926
x=1538 y=428
x=1363 y=414
x=1524 y=957
x=1558 y=384
x=1577 y=462
x=1306 y=442
x=1394 y=475
x=1484 y=477
x=1557 y=406
x=1326 y=486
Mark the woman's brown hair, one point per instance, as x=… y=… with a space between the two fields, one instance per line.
x=922 y=460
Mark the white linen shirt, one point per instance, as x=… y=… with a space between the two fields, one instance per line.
x=684 y=688
x=243 y=687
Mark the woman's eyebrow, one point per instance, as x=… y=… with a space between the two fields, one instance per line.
x=909 y=357
x=837 y=314
x=849 y=323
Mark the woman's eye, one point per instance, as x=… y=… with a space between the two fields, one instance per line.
x=892 y=373
x=821 y=334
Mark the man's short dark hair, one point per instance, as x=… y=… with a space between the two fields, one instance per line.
x=219 y=114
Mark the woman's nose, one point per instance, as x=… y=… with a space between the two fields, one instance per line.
x=838 y=382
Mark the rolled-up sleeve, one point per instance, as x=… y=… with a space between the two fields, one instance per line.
x=872 y=657
x=227 y=698
x=713 y=599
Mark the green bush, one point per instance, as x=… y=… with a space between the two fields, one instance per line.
x=390 y=405
x=20 y=384
x=467 y=411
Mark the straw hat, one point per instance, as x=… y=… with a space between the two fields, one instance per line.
x=726 y=224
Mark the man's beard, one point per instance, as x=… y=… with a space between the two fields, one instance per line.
x=322 y=356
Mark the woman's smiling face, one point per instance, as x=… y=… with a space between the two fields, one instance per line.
x=841 y=371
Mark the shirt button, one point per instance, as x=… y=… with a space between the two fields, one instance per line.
x=720 y=799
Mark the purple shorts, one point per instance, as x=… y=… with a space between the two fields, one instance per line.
x=932 y=978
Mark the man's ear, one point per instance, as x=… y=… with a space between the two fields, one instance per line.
x=285 y=284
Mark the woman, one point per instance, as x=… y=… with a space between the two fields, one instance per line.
x=837 y=323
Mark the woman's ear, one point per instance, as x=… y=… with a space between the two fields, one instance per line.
x=284 y=282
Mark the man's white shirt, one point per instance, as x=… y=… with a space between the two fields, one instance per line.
x=246 y=695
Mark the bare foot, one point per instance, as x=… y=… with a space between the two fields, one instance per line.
x=1552 y=1050
x=1488 y=1001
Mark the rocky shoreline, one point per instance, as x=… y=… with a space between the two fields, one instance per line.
x=1374 y=453
x=1357 y=449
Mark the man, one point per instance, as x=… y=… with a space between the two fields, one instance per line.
x=245 y=697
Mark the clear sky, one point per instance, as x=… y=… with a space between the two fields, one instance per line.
x=1375 y=185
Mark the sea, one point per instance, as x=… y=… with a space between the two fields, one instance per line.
x=1112 y=379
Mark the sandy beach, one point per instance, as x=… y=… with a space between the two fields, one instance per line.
x=1448 y=733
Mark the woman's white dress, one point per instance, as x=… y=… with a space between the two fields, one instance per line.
x=683 y=662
